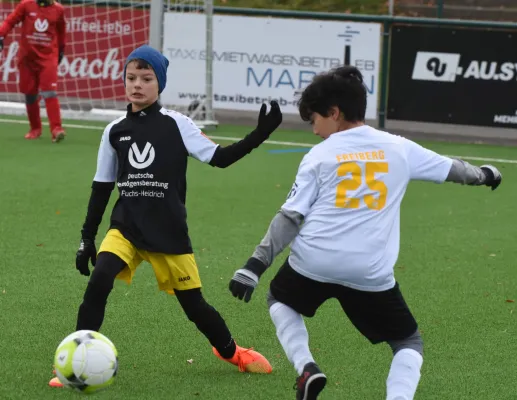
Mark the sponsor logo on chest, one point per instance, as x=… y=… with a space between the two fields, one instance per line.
x=141 y=159
x=41 y=25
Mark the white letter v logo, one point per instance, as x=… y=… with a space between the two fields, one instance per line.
x=140 y=162
x=140 y=157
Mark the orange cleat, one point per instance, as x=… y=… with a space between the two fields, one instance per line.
x=55 y=382
x=58 y=135
x=33 y=134
x=248 y=360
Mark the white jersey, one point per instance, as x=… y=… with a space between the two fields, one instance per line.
x=349 y=189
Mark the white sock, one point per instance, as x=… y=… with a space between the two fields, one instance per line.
x=404 y=375
x=292 y=334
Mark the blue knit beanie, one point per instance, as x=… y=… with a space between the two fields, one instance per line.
x=156 y=59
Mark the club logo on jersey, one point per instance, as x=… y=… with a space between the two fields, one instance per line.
x=41 y=25
x=141 y=159
x=292 y=192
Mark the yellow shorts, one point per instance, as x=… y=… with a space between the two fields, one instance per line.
x=172 y=271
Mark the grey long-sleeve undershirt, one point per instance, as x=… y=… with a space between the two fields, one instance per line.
x=465 y=174
x=283 y=229
x=286 y=224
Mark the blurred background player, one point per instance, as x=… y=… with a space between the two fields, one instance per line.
x=42 y=47
x=343 y=219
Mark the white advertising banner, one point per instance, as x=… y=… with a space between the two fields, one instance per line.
x=260 y=59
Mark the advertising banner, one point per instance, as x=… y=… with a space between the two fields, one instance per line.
x=455 y=76
x=258 y=59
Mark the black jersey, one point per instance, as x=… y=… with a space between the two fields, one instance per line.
x=146 y=154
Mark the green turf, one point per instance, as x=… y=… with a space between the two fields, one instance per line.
x=456 y=269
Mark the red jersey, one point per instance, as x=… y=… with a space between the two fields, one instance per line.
x=43 y=30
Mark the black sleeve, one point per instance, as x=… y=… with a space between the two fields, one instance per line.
x=225 y=156
x=99 y=198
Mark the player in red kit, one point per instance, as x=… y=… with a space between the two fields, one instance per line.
x=42 y=47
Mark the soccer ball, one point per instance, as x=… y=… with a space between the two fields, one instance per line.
x=86 y=361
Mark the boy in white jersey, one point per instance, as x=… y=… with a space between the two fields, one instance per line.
x=347 y=194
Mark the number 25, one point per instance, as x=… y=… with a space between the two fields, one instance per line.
x=371 y=168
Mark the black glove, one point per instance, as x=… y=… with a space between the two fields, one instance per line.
x=493 y=177
x=86 y=252
x=61 y=55
x=1 y=43
x=267 y=123
x=246 y=279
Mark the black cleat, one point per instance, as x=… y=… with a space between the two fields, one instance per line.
x=310 y=383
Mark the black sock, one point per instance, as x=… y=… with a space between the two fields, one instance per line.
x=208 y=321
x=229 y=350
x=91 y=310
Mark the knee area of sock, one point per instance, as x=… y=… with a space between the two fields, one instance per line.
x=95 y=296
x=195 y=306
x=199 y=312
x=49 y=94
x=413 y=342
x=285 y=317
x=100 y=284
x=406 y=363
x=31 y=99
x=270 y=299
x=274 y=305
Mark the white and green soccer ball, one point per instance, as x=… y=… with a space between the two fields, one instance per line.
x=86 y=361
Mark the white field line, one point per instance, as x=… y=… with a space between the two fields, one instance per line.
x=274 y=142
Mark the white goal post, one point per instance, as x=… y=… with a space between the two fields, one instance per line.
x=200 y=110
x=100 y=35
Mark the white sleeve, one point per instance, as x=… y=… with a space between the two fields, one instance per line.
x=107 y=161
x=425 y=164
x=197 y=143
x=305 y=189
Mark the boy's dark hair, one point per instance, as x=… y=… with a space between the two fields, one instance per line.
x=141 y=64
x=341 y=87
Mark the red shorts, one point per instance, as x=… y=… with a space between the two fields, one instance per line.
x=37 y=75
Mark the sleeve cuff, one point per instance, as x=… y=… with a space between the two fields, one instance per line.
x=256 y=266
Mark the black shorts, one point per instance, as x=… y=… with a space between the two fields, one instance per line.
x=379 y=316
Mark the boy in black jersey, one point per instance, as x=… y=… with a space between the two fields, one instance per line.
x=146 y=153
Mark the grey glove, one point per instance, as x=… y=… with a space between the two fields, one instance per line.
x=243 y=284
x=493 y=177
x=246 y=279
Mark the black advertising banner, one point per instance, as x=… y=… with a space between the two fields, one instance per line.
x=453 y=75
